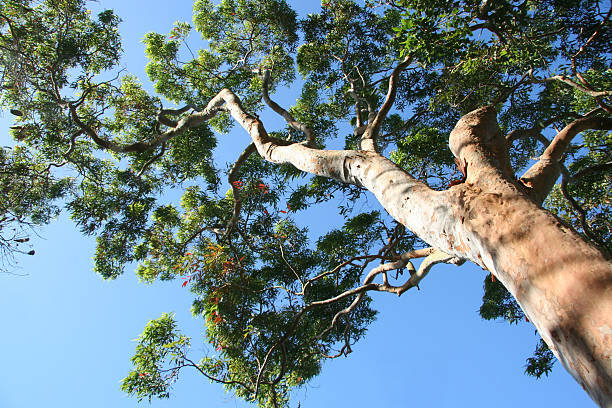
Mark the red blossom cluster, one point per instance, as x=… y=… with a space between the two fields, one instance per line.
x=215 y=317
x=259 y=185
x=263 y=188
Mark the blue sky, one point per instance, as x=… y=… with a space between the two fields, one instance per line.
x=67 y=334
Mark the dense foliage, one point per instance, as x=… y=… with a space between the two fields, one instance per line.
x=276 y=302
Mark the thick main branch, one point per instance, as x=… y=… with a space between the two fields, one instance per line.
x=541 y=177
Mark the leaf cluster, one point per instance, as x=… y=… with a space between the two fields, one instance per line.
x=275 y=303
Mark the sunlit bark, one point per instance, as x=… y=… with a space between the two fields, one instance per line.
x=563 y=283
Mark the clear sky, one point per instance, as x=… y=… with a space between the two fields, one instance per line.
x=66 y=335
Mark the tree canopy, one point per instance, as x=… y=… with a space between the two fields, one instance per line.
x=392 y=77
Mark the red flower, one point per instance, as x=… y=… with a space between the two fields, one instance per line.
x=185 y=283
x=263 y=188
x=237 y=184
x=266 y=212
x=283 y=211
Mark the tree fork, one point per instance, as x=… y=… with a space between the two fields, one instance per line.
x=563 y=283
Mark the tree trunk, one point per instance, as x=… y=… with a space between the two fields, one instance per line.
x=563 y=283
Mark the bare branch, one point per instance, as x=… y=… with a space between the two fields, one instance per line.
x=339 y=267
x=197 y=367
x=606 y=167
x=507 y=91
x=407 y=123
x=152 y=160
x=232 y=179
x=541 y=177
x=353 y=93
x=535 y=131
x=310 y=137
x=582 y=214
x=574 y=84
x=161 y=115
x=193 y=120
x=586 y=84
x=588 y=42
x=297 y=319
x=432 y=257
x=291 y=267
x=368 y=140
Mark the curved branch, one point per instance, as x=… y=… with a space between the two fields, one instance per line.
x=152 y=160
x=296 y=321
x=596 y=95
x=197 y=367
x=300 y=127
x=370 y=136
x=541 y=177
x=432 y=257
x=535 y=130
x=590 y=170
x=66 y=154
x=582 y=214
x=591 y=38
x=161 y=115
x=291 y=267
x=507 y=91
x=232 y=179
x=405 y=198
x=574 y=84
x=340 y=266
x=193 y=120
x=347 y=166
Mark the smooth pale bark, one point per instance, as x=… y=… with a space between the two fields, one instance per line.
x=543 y=175
x=563 y=284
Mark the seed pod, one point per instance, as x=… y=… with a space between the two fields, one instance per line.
x=16 y=112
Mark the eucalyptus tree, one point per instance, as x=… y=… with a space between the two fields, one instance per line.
x=384 y=88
